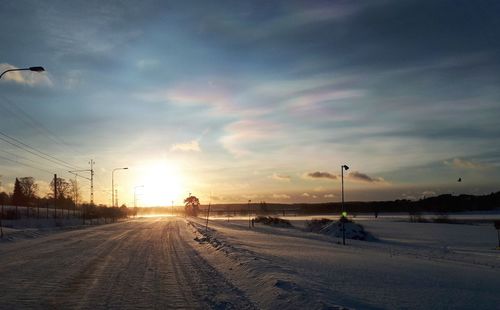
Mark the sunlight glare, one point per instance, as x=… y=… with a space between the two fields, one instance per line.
x=162 y=184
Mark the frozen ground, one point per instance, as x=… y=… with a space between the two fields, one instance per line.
x=149 y=264
x=416 y=266
x=172 y=263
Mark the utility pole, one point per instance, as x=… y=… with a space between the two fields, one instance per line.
x=248 y=209
x=92 y=182
x=343 y=217
x=55 y=194
x=91 y=179
x=1 y=212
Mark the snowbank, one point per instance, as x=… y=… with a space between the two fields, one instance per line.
x=334 y=229
x=269 y=283
x=352 y=231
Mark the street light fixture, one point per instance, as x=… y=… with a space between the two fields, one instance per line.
x=34 y=69
x=342 y=218
x=113 y=183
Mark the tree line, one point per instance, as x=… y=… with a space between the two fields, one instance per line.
x=62 y=200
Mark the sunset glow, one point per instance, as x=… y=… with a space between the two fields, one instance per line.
x=250 y=101
x=163 y=183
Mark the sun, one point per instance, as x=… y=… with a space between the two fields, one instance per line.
x=160 y=183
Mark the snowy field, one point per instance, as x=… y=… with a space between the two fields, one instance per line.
x=412 y=265
x=172 y=263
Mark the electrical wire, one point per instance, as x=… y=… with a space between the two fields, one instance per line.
x=34 y=151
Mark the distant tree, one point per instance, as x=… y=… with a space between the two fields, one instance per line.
x=18 y=198
x=192 y=205
x=29 y=189
x=74 y=190
x=4 y=198
x=63 y=188
x=263 y=207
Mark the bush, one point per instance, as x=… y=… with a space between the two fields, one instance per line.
x=416 y=217
x=316 y=225
x=444 y=219
x=273 y=221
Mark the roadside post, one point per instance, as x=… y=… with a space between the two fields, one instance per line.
x=343 y=220
x=1 y=216
x=497 y=227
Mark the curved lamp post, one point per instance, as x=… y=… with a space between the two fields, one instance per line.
x=113 y=183
x=34 y=69
x=342 y=168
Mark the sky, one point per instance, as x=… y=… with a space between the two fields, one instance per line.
x=253 y=100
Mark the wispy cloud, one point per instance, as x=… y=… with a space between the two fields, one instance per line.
x=145 y=64
x=319 y=189
x=280 y=177
x=428 y=194
x=242 y=136
x=460 y=163
x=329 y=195
x=281 y=196
x=191 y=146
x=362 y=177
x=320 y=175
x=305 y=195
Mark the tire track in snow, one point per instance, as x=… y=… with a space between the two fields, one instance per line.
x=140 y=264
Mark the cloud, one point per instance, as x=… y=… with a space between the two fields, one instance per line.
x=250 y=196
x=147 y=63
x=25 y=77
x=319 y=189
x=242 y=137
x=280 y=177
x=321 y=175
x=329 y=196
x=305 y=195
x=428 y=194
x=459 y=163
x=358 y=176
x=281 y=196
x=193 y=146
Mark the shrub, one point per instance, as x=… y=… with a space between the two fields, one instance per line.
x=273 y=221
x=316 y=225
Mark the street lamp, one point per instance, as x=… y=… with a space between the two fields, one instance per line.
x=342 y=168
x=34 y=69
x=113 y=183
x=248 y=208
x=135 y=199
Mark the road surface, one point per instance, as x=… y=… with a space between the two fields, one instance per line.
x=146 y=263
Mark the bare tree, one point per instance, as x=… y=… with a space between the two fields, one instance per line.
x=28 y=188
x=63 y=188
x=75 y=191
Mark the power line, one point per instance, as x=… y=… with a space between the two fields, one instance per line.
x=32 y=150
x=24 y=164
x=26 y=158
x=22 y=115
x=17 y=111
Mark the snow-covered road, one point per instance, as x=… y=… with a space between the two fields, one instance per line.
x=175 y=263
x=147 y=263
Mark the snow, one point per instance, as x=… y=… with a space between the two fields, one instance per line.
x=145 y=263
x=172 y=262
x=406 y=268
